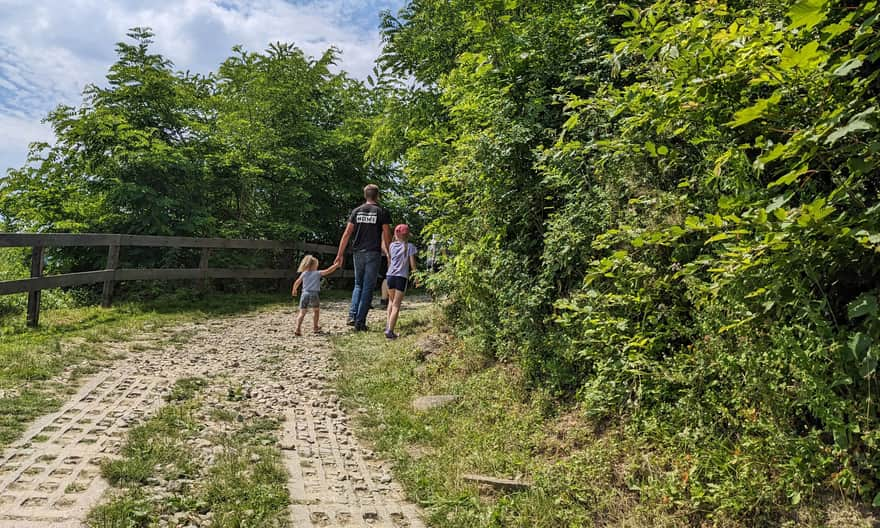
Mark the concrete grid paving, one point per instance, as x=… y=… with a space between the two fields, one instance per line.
x=50 y=477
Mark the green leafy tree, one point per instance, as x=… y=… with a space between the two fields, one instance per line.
x=271 y=146
x=291 y=139
x=124 y=161
x=669 y=211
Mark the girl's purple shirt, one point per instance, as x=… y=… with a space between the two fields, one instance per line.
x=400 y=253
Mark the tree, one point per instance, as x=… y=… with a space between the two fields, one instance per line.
x=667 y=211
x=271 y=146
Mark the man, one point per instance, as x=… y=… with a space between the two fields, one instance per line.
x=432 y=263
x=371 y=226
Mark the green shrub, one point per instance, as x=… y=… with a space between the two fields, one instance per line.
x=668 y=211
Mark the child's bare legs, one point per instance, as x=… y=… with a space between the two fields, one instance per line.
x=299 y=321
x=395 y=298
x=315 y=326
x=391 y=295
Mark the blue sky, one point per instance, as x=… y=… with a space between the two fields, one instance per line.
x=50 y=49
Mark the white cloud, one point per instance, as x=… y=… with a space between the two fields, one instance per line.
x=50 y=50
x=16 y=134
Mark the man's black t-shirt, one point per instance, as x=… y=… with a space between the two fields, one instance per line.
x=368 y=220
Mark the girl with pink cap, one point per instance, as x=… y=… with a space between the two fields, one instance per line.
x=400 y=265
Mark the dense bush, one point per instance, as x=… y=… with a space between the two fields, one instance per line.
x=670 y=211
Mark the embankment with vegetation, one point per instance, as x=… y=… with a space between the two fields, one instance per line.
x=665 y=213
x=558 y=467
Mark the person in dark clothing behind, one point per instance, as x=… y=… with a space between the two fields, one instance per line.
x=383 y=284
x=370 y=226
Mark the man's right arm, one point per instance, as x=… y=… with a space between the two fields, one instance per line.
x=343 y=243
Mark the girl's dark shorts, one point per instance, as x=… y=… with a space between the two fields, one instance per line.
x=397 y=283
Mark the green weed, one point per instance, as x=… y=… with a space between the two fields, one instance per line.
x=222 y=415
x=129 y=510
x=185 y=389
x=247 y=487
x=159 y=442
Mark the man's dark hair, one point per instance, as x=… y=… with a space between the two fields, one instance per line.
x=371 y=192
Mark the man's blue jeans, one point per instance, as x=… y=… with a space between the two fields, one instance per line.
x=366 y=269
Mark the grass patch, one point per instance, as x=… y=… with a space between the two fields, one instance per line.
x=582 y=473
x=164 y=477
x=222 y=415
x=247 y=487
x=160 y=442
x=130 y=510
x=155 y=452
x=26 y=404
x=257 y=431
x=185 y=389
x=491 y=429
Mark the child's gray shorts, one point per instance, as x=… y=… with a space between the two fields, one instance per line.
x=309 y=300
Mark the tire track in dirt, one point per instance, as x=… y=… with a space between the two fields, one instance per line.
x=51 y=477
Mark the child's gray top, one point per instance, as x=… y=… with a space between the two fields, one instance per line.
x=311 y=281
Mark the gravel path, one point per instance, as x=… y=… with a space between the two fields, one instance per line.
x=51 y=477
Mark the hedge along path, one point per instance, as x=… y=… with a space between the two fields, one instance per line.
x=51 y=477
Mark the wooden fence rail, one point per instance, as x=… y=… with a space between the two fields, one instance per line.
x=113 y=273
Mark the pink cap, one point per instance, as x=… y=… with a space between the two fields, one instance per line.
x=401 y=230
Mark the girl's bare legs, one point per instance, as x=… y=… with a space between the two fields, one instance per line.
x=391 y=295
x=315 y=326
x=394 y=308
x=299 y=321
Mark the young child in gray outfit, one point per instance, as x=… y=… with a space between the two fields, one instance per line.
x=310 y=280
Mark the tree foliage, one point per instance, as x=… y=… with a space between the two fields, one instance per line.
x=270 y=146
x=669 y=211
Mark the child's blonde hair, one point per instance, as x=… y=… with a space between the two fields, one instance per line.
x=306 y=263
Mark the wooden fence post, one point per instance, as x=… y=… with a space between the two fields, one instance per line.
x=112 y=264
x=33 y=306
x=203 y=268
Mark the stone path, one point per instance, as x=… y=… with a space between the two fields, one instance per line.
x=51 y=477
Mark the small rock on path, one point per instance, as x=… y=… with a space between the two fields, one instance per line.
x=426 y=403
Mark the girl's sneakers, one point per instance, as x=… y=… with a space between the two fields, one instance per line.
x=390 y=335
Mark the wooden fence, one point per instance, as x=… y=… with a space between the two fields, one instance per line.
x=112 y=273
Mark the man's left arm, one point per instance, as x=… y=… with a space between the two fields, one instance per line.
x=386 y=239
x=343 y=243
